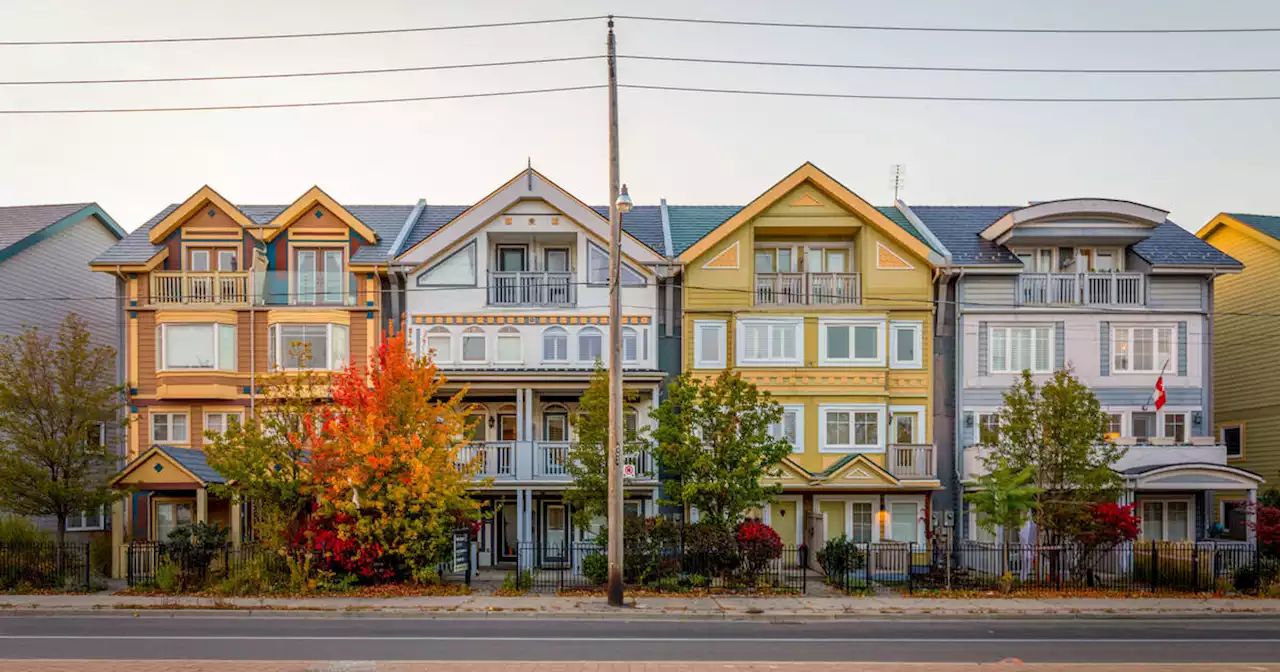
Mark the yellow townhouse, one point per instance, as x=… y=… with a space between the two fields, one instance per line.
x=824 y=301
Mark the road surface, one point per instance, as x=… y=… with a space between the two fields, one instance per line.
x=232 y=636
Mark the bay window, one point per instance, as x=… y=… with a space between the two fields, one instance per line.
x=308 y=346
x=1141 y=349
x=770 y=342
x=1016 y=349
x=184 y=347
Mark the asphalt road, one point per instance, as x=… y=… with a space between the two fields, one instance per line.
x=241 y=637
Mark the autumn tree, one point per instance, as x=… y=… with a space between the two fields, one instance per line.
x=713 y=439
x=385 y=458
x=587 y=460
x=56 y=393
x=1056 y=430
x=1003 y=499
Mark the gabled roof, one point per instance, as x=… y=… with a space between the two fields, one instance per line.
x=316 y=196
x=1263 y=228
x=191 y=462
x=22 y=226
x=1268 y=224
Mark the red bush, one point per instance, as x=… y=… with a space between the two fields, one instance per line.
x=335 y=553
x=1110 y=525
x=758 y=544
x=1267 y=528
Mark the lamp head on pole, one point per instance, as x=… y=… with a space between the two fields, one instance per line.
x=624 y=201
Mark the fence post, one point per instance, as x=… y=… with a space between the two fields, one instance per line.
x=1155 y=565
x=867 y=584
x=1257 y=567
x=1195 y=567
x=911 y=557
x=804 y=568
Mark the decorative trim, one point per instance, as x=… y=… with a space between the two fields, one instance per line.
x=197 y=201
x=728 y=259
x=316 y=196
x=888 y=260
x=807 y=201
x=526 y=319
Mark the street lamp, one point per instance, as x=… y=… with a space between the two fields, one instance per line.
x=624 y=201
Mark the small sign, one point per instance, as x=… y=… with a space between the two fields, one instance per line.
x=461 y=551
x=629 y=470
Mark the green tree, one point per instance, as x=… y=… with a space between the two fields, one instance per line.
x=714 y=441
x=587 y=460
x=55 y=394
x=1056 y=431
x=1002 y=502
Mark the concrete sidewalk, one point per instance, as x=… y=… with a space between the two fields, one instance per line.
x=677 y=608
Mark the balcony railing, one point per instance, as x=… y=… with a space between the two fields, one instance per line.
x=550 y=460
x=495 y=459
x=912 y=461
x=207 y=288
x=784 y=289
x=1090 y=289
x=531 y=288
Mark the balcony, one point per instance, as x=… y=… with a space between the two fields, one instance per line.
x=912 y=462
x=260 y=288
x=1083 y=289
x=551 y=457
x=495 y=459
x=808 y=289
x=1160 y=452
x=227 y=288
x=531 y=288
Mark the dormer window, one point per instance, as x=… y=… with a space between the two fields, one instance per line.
x=1071 y=259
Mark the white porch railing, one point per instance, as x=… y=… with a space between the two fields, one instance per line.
x=207 y=288
x=531 y=288
x=783 y=289
x=912 y=461
x=495 y=459
x=1091 y=289
x=550 y=458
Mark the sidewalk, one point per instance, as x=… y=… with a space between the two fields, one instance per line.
x=675 y=608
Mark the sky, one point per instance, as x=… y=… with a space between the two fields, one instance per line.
x=1194 y=159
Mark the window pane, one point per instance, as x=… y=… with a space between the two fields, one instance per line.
x=1144 y=355
x=1020 y=348
x=1164 y=349
x=226 y=347
x=1042 y=349
x=459 y=269
x=1232 y=438
x=1144 y=426
x=1175 y=425
x=178 y=427
x=757 y=336
x=556 y=427
x=1178 y=518
x=861 y=522
x=213 y=423
x=866 y=342
x=473 y=348
x=837 y=342
x=555 y=346
x=440 y=344
x=709 y=343
x=590 y=346
x=188 y=346
x=226 y=260
x=997 y=349
x=631 y=277
x=341 y=356
x=835 y=261
x=333 y=276
x=1153 y=521
x=784 y=261
x=784 y=342
x=902 y=521
x=509 y=349
x=866 y=429
x=160 y=427
x=597 y=265
x=906 y=342
x=630 y=345
x=838 y=428
x=789 y=427
x=904 y=428
x=764 y=261
x=306 y=276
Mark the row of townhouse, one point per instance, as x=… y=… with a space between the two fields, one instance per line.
x=886 y=333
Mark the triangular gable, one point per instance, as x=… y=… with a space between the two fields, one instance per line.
x=1225 y=220
x=858 y=470
x=205 y=196
x=528 y=184
x=727 y=260
x=787 y=472
x=887 y=259
x=142 y=470
x=826 y=184
x=316 y=196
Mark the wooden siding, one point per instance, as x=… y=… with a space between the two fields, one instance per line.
x=981 y=291
x=1176 y=292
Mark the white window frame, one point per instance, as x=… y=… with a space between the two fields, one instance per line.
x=775 y=430
x=1186 y=422
x=918 y=430
x=599 y=334
x=1008 y=344
x=473 y=332
x=78 y=522
x=796 y=324
x=1164 y=520
x=890 y=500
x=633 y=334
x=225 y=420
x=169 y=415
x=852 y=447
x=719 y=329
x=917 y=327
x=515 y=334
x=1131 y=360
x=564 y=336
x=162 y=346
x=438 y=332
x=278 y=348
x=1222 y=437
x=849 y=500
x=852 y=360
x=637 y=279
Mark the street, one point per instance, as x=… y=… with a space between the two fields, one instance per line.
x=239 y=637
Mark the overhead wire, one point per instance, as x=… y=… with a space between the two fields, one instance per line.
x=958 y=68
x=952 y=29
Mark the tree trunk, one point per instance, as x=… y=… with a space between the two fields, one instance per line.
x=60 y=534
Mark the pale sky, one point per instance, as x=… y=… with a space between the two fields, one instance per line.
x=1194 y=159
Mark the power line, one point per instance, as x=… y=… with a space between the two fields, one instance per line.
x=929 y=68
x=946 y=29
x=319 y=103
x=285 y=75
x=964 y=99
x=290 y=36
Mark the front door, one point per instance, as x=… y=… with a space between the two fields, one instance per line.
x=507 y=427
x=782 y=518
x=555 y=533
x=505 y=532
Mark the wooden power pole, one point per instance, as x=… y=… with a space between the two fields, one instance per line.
x=615 y=341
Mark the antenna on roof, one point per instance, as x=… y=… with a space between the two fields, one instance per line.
x=899 y=179
x=529 y=174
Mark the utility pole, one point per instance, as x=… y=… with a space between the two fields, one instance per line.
x=616 y=206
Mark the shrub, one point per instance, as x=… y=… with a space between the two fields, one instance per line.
x=100 y=554
x=334 y=552
x=595 y=568
x=698 y=581
x=262 y=574
x=515 y=584
x=19 y=530
x=758 y=544
x=648 y=546
x=839 y=556
x=192 y=547
x=167 y=576
x=710 y=549
x=1254 y=578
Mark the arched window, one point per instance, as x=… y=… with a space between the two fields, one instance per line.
x=474 y=349
x=555 y=423
x=630 y=344
x=509 y=345
x=590 y=345
x=439 y=345
x=555 y=345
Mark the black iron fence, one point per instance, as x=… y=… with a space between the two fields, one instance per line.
x=181 y=566
x=584 y=566
x=857 y=568
x=37 y=565
x=1209 y=566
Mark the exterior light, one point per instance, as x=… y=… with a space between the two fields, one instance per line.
x=624 y=201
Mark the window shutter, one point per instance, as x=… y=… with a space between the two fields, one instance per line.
x=969 y=429
x=1059 y=345
x=1104 y=348
x=982 y=349
x=1182 y=348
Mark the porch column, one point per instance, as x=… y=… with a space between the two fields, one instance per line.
x=236 y=532
x=1251 y=515
x=530 y=414
x=202 y=505
x=117 y=538
x=520 y=413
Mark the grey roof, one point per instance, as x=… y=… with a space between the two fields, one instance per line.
x=430 y=220
x=193 y=461
x=1268 y=224
x=958 y=228
x=644 y=223
x=19 y=221
x=895 y=215
x=135 y=247
x=1135 y=471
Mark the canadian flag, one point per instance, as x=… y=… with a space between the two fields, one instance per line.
x=1160 y=396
